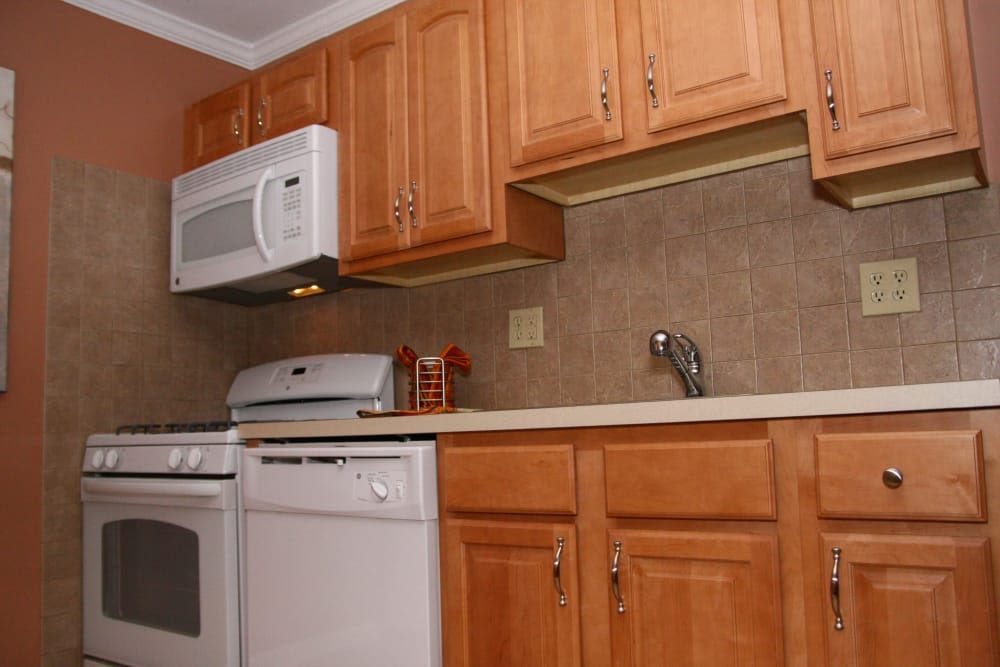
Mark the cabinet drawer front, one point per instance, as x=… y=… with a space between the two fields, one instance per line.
x=527 y=478
x=942 y=475
x=731 y=479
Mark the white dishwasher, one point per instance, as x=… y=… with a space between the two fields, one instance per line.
x=342 y=555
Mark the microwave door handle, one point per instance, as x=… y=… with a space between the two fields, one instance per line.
x=258 y=219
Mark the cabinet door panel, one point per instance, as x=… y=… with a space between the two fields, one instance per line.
x=694 y=599
x=373 y=151
x=447 y=120
x=711 y=58
x=891 y=78
x=291 y=95
x=217 y=126
x=556 y=54
x=501 y=607
x=915 y=601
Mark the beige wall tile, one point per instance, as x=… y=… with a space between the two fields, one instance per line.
x=779 y=374
x=576 y=314
x=729 y=294
x=975 y=262
x=865 y=230
x=930 y=363
x=933 y=265
x=576 y=355
x=817 y=235
x=917 y=222
x=767 y=198
x=805 y=195
x=688 y=298
x=734 y=378
x=683 y=209
x=511 y=394
x=876 y=368
x=612 y=351
x=613 y=387
x=732 y=338
x=823 y=329
x=972 y=212
x=724 y=202
x=820 y=282
x=653 y=385
x=544 y=392
x=644 y=217
x=976 y=314
x=831 y=370
x=686 y=256
x=873 y=331
x=727 y=249
x=770 y=243
x=979 y=359
x=934 y=323
x=776 y=334
x=774 y=288
x=578 y=390
x=608 y=268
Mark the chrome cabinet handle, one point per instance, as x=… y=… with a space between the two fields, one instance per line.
x=838 y=619
x=649 y=81
x=395 y=208
x=614 y=577
x=604 y=94
x=830 y=104
x=560 y=541
x=260 y=116
x=237 y=122
x=892 y=477
x=409 y=202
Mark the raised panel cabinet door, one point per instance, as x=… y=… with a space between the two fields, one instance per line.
x=890 y=78
x=290 y=95
x=690 y=599
x=448 y=140
x=562 y=77
x=217 y=126
x=373 y=143
x=709 y=58
x=501 y=594
x=909 y=600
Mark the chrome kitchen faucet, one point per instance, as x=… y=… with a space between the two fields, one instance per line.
x=683 y=354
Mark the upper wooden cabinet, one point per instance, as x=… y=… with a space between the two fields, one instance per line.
x=562 y=77
x=414 y=141
x=894 y=85
x=706 y=59
x=279 y=99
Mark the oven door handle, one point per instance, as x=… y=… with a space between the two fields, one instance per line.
x=130 y=487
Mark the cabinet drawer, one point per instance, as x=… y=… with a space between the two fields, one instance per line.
x=732 y=479
x=942 y=475
x=527 y=478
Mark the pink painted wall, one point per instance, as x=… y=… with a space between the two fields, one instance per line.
x=95 y=91
x=984 y=22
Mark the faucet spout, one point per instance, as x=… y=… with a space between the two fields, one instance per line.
x=684 y=357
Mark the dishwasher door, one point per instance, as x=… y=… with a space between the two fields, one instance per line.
x=342 y=556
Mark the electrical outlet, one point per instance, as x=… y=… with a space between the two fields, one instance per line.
x=526 y=328
x=889 y=286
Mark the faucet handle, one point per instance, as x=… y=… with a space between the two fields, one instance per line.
x=690 y=351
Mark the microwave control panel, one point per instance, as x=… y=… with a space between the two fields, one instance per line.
x=291 y=208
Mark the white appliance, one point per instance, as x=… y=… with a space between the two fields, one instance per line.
x=163 y=522
x=342 y=555
x=251 y=226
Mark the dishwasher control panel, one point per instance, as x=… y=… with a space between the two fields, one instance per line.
x=379 y=482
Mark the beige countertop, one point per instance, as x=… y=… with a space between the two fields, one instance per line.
x=938 y=396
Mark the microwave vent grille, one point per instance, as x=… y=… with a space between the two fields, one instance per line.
x=249 y=159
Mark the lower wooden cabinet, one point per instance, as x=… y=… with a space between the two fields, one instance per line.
x=858 y=541
x=909 y=600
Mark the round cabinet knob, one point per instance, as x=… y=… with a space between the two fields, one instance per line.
x=175 y=459
x=379 y=489
x=195 y=458
x=97 y=458
x=112 y=459
x=892 y=477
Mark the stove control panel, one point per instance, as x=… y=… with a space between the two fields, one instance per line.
x=181 y=459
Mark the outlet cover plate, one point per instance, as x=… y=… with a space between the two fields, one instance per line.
x=526 y=328
x=889 y=286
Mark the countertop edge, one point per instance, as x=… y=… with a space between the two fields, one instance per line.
x=907 y=398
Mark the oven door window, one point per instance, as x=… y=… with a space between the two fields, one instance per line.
x=150 y=575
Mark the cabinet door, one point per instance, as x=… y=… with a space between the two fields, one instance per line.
x=447 y=137
x=500 y=595
x=373 y=143
x=696 y=598
x=908 y=600
x=216 y=126
x=291 y=95
x=890 y=77
x=709 y=58
x=557 y=54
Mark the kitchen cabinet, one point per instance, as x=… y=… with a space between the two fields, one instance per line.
x=562 y=77
x=414 y=144
x=278 y=99
x=707 y=59
x=600 y=515
x=893 y=85
x=898 y=566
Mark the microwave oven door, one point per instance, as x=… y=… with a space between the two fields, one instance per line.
x=247 y=226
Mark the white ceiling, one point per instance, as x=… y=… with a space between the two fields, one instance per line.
x=249 y=33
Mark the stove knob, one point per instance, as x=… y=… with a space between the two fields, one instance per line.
x=112 y=459
x=379 y=489
x=97 y=458
x=175 y=459
x=195 y=458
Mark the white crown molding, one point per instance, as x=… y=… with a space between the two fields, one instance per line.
x=327 y=21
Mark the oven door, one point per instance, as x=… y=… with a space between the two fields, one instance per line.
x=160 y=571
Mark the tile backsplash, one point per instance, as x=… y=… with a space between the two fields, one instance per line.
x=759 y=267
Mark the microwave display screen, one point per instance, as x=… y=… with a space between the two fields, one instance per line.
x=291 y=182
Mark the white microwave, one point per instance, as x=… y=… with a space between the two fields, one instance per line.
x=253 y=226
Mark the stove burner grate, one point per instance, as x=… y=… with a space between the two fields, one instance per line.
x=188 y=427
